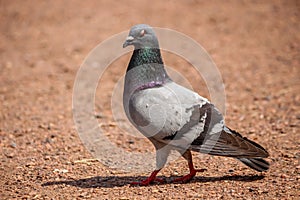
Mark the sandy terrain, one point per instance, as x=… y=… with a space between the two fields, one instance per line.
x=255 y=44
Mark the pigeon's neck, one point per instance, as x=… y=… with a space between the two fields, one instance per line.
x=145 y=70
x=145 y=56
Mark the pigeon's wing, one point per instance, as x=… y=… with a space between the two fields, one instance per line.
x=201 y=127
x=200 y=122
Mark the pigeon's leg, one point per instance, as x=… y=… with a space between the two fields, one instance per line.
x=188 y=156
x=162 y=153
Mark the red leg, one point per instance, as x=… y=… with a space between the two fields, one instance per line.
x=149 y=180
x=187 y=155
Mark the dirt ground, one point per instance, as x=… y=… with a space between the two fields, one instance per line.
x=255 y=44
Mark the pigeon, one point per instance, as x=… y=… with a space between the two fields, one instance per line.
x=175 y=118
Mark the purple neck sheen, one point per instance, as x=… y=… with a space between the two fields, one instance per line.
x=151 y=84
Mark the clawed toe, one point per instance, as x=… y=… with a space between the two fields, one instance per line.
x=150 y=179
x=188 y=177
x=147 y=182
x=184 y=179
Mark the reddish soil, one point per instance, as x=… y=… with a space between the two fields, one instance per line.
x=255 y=44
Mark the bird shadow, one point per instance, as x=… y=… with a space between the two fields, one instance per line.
x=119 y=181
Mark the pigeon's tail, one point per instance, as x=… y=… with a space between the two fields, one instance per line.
x=257 y=164
x=232 y=144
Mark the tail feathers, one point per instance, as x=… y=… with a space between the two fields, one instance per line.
x=261 y=152
x=257 y=164
x=231 y=144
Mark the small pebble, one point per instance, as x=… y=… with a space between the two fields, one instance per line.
x=13 y=144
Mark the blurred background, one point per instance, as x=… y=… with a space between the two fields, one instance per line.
x=255 y=44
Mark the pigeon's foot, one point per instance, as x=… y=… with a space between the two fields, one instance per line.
x=188 y=156
x=188 y=177
x=149 y=180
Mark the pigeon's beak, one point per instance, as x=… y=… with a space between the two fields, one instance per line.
x=128 y=41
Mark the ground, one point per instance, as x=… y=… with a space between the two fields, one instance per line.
x=255 y=44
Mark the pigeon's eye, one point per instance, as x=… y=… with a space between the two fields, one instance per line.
x=142 y=33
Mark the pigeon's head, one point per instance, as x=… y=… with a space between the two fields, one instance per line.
x=141 y=36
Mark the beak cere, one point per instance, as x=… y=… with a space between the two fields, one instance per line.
x=128 y=41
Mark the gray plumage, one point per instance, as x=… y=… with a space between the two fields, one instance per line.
x=173 y=117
